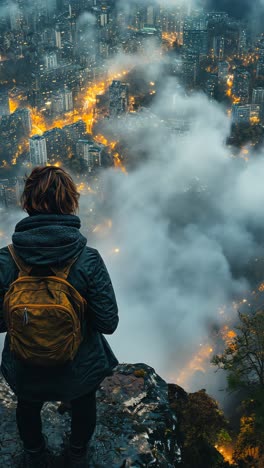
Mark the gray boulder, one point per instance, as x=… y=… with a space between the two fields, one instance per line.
x=136 y=426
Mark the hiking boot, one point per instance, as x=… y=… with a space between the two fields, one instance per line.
x=76 y=457
x=37 y=458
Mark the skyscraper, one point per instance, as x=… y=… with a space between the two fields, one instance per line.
x=58 y=37
x=24 y=115
x=38 y=150
x=243 y=113
x=50 y=60
x=241 y=85
x=67 y=99
x=57 y=103
x=190 y=68
x=219 y=47
x=90 y=152
x=242 y=42
x=210 y=86
x=15 y=14
x=195 y=35
x=260 y=62
x=258 y=98
x=223 y=68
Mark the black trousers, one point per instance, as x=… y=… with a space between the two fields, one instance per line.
x=82 y=424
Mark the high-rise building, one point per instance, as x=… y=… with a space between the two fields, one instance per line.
x=118 y=98
x=150 y=17
x=55 y=144
x=219 y=47
x=4 y=103
x=240 y=113
x=75 y=131
x=2 y=195
x=242 y=42
x=38 y=150
x=223 y=69
x=195 y=35
x=141 y=16
x=217 y=16
x=67 y=99
x=104 y=17
x=196 y=40
x=58 y=37
x=260 y=69
x=20 y=184
x=50 y=60
x=24 y=115
x=258 y=98
x=15 y=15
x=9 y=193
x=57 y=103
x=62 y=101
x=90 y=152
x=190 y=67
x=210 y=86
x=244 y=114
x=241 y=85
x=260 y=62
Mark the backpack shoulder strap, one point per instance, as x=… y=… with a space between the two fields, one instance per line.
x=64 y=272
x=24 y=269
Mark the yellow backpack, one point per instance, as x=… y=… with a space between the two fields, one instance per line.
x=43 y=315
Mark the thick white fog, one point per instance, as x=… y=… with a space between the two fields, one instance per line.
x=187 y=220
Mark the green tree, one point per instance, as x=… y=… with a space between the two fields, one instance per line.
x=243 y=359
x=203 y=429
x=244 y=356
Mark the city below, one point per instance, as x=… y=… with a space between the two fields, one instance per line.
x=156 y=109
x=68 y=67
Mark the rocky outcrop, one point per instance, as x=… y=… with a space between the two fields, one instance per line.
x=136 y=426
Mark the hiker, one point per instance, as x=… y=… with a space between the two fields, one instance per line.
x=48 y=244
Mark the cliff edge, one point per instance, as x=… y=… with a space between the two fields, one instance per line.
x=136 y=426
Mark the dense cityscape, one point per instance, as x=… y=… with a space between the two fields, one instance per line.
x=57 y=84
x=168 y=98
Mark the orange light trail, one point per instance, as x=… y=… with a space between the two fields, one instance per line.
x=112 y=144
x=229 y=91
x=23 y=147
x=235 y=99
x=85 y=113
x=13 y=105
x=198 y=362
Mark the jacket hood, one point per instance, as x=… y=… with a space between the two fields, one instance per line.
x=48 y=239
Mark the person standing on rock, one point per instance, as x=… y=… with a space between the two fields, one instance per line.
x=50 y=254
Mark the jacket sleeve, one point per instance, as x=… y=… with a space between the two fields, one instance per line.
x=6 y=277
x=101 y=299
x=2 y=322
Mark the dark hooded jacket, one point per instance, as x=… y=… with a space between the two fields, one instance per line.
x=51 y=240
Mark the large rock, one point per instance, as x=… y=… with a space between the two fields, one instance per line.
x=135 y=425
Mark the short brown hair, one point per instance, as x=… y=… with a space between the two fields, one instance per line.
x=49 y=189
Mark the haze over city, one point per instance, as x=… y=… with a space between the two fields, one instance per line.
x=156 y=109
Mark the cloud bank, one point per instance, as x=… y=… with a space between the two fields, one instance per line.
x=188 y=221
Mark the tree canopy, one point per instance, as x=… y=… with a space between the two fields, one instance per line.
x=243 y=359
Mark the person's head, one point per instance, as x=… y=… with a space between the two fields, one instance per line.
x=49 y=189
